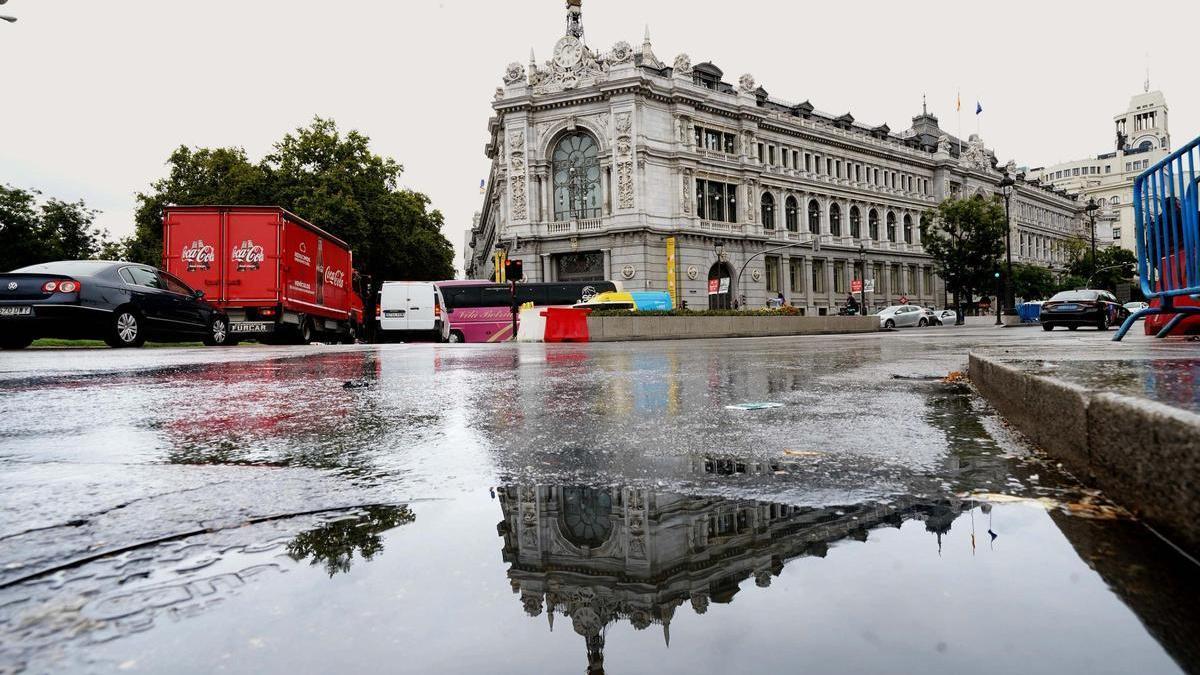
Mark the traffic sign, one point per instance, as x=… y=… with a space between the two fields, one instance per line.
x=904 y=299
x=856 y=286
x=870 y=288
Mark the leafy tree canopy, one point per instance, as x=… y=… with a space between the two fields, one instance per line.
x=331 y=179
x=33 y=232
x=1032 y=282
x=965 y=238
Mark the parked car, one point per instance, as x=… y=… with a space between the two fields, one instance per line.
x=1135 y=307
x=896 y=316
x=122 y=303
x=931 y=316
x=1085 y=307
x=945 y=316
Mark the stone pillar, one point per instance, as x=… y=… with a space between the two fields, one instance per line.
x=785 y=276
x=810 y=297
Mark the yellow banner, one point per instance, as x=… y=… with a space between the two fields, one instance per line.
x=671 y=286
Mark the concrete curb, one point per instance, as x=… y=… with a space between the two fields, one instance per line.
x=627 y=328
x=1143 y=454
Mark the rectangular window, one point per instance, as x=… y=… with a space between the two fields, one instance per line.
x=786 y=156
x=857 y=173
x=910 y=280
x=894 y=279
x=771 y=267
x=828 y=167
x=1108 y=168
x=716 y=200
x=796 y=274
x=771 y=155
x=796 y=159
x=877 y=276
x=730 y=144
x=928 y=281
x=807 y=162
x=701 y=201
x=699 y=136
x=1075 y=171
x=761 y=153
x=1116 y=235
x=839 y=277
x=818 y=276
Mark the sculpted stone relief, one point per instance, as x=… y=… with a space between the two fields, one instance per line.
x=623 y=123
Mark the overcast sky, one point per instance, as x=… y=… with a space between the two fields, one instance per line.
x=97 y=93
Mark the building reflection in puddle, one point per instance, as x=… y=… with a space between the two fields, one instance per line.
x=599 y=555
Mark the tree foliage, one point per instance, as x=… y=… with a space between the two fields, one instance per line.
x=1113 y=265
x=965 y=238
x=32 y=233
x=1032 y=282
x=331 y=179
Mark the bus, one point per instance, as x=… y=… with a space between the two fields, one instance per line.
x=481 y=311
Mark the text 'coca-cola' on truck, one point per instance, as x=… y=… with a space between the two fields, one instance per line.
x=274 y=274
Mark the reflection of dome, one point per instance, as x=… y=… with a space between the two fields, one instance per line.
x=586 y=515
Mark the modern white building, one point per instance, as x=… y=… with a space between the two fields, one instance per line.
x=1142 y=139
x=604 y=161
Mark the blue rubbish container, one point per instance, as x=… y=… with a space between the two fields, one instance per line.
x=1030 y=312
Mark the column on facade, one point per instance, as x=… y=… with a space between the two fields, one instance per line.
x=608 y=271
x=810 y=296
x=785 y=276
x=825 y=202
x=545 y=267
x=830 y=267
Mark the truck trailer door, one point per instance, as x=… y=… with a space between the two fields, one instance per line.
x=191 y=242
x=251 y=257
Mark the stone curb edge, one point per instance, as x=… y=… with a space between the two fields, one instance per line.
x=1143 y=454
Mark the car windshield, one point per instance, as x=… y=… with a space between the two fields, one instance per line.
x=1075 y=296
x=68 y=267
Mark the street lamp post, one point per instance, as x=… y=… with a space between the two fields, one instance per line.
x=1006 y=189
x=770 y=250
x=862 y=289
x=1092 y=208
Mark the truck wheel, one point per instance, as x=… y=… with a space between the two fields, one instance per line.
x=306 y=332
x=125 y=329
x=218 y=332
x=15 y=341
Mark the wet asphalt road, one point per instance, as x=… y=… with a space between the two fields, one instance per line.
x=437 y=508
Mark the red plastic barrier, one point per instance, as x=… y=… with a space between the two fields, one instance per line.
x=566 y=324
x=1189 y=326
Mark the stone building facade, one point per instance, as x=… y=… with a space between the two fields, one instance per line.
x=601 y=161
x=1143 y=139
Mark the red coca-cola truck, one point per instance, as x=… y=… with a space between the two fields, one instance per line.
x=277 y=277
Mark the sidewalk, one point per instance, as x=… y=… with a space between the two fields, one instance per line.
x=1124 y=416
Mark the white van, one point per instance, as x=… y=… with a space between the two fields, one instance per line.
x=406 y=310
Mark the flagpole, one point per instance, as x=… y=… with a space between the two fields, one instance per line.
x=958 y=108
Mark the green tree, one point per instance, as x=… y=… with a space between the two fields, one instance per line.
x=22 y=241
x=332 y=179
x=196 y=176
x=1032 y=282
x=337 y=182
x=1113 y=265
x=54 y=230
x=965 y=238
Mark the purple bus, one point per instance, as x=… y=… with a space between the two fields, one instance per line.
x=481 y=311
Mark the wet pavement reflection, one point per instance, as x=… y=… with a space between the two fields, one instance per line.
x=574 y=508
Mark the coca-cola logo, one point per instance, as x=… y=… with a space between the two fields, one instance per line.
x=248 y=256
x=335 y=277
x=198 y=255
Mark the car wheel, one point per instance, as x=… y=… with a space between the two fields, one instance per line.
x=1103 y=325
x=218 y=332
x=455 y=336
x=125 y=329
x=15 y=341
x=922 y=323
x=889 y=324
x=1047 y=327
x=1072 y=327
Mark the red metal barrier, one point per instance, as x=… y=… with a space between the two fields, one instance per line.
x=566 y=324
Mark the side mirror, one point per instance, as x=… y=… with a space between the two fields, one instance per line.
x=197 y=294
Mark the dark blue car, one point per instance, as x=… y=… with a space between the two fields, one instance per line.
x=122 y=303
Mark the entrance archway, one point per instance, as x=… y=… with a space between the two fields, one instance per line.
x=720 y=286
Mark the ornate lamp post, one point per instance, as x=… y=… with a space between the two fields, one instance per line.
x=1092 y=207
x=1006 y=190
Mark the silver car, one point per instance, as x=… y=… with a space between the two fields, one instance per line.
x=898 y=316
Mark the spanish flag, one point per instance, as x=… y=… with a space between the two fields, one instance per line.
x=958 y=102
x=481 y=184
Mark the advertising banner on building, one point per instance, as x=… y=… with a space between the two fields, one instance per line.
x=671 y=284
x=714 y=286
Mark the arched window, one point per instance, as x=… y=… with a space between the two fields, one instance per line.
x=586 y=516
x=908 y=239
x=924 y=226
x=768 y=211
x=835 y=220
x=814 y=217
x=891 y=226
x=873 y=224
x=576 y=177
x=855 y=222
x=792 y=214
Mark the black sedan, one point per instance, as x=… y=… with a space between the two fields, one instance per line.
x=122 y=303
x=1082 y=308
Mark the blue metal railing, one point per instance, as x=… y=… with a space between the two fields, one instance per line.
x=1166 y=208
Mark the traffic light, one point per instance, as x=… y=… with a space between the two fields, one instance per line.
x=513 y=270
